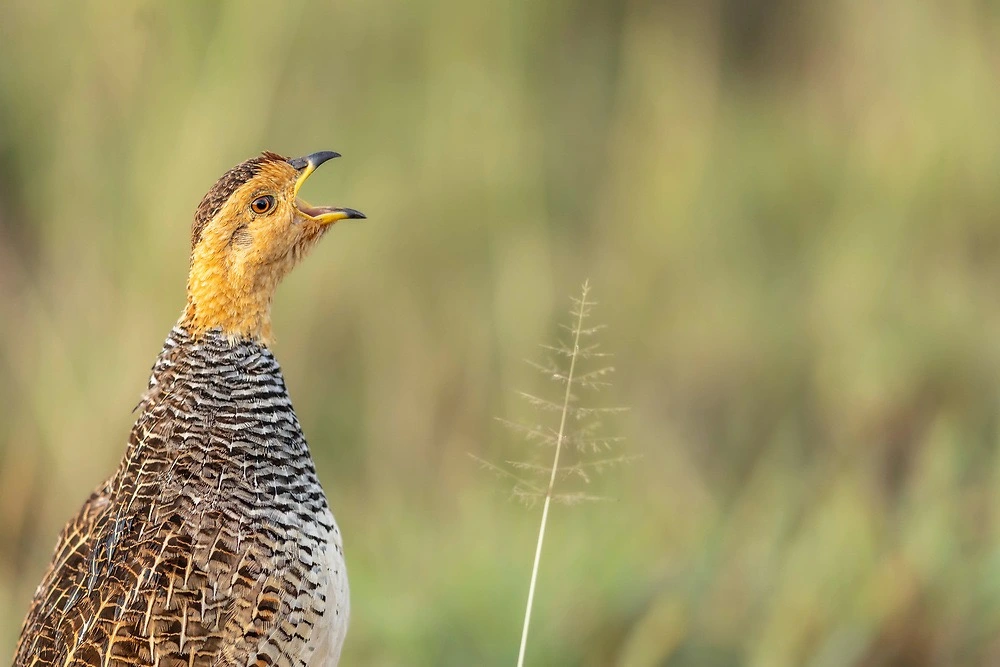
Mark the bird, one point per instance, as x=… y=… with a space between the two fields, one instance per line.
x=213 y=542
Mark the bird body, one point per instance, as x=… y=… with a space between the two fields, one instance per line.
x=213 y=543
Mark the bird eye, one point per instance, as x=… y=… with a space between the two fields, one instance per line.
x=262 y=204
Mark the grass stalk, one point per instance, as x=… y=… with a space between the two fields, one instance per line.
x=552 y=477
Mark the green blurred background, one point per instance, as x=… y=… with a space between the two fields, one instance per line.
x=788 y=210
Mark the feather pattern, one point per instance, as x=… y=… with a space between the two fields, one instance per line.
x=212 y=544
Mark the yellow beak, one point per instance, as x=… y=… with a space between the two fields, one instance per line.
x=324 y=215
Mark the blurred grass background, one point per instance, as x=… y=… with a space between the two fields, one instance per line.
x=789 y=213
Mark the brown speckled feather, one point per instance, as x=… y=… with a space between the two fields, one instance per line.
x=67 y=573
x=212 y=544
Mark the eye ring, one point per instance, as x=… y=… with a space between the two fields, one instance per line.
x=262 y=205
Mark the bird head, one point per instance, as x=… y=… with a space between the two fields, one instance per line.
x=249 y=231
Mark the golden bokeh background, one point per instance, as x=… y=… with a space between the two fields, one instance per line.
x=788 y=211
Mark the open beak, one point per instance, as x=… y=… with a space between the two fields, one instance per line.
x=324 y=215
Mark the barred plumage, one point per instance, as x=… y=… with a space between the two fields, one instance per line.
x=213 y=543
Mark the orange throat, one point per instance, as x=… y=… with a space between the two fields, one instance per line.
x=226 y=296
x=238 y=316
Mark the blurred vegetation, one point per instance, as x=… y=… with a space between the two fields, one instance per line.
x=789 y=212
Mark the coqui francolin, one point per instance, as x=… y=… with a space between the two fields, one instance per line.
x=212 y=543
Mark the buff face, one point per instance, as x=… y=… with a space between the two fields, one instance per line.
x=249 y=232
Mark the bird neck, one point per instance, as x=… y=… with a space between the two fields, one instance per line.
x=223 y=298
x=237 y=317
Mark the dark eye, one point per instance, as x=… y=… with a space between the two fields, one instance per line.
x=262 y=204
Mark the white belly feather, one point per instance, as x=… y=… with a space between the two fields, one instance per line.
x=327 y=638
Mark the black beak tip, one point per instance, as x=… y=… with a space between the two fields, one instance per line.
x=314 y=159
x=353 y=214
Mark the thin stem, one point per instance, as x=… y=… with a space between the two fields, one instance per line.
x=552 y=478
